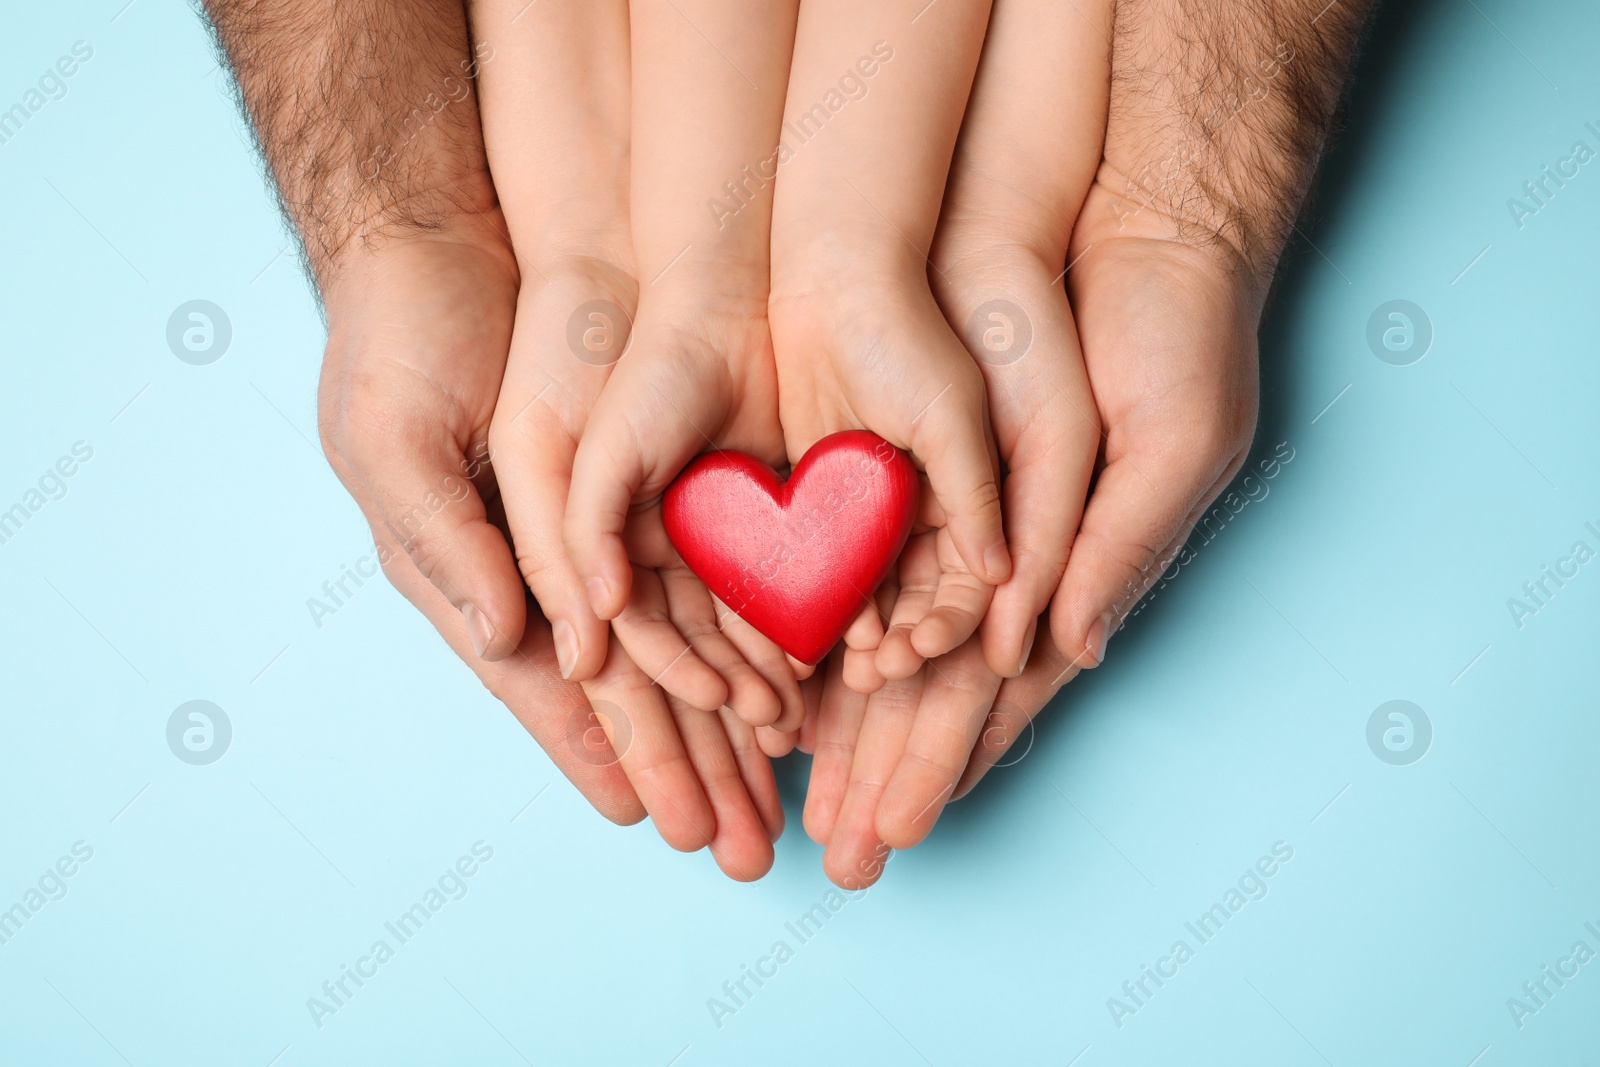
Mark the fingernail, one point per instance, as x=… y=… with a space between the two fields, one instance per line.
x=1099 y=634
x=997 y=561
x=566 y=639
x=1027 y=647
x=599 y=591
x=479 y=629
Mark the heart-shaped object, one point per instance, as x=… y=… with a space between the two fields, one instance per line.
x=795 y=559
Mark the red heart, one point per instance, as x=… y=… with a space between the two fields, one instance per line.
x=795 y=559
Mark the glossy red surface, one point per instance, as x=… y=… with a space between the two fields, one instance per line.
x=795 y=559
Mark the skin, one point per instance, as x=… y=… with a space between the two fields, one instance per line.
x=1211 y=132
x=557 y=115
x=402 y=229
x=1168 y=281
x=860 y=340
x=698 y=372
x=887 y=763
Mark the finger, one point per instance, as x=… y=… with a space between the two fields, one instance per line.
x=770 y=662
x=658 y=410
x=955 y=701
x=533 y=454
x=741 y=845
x=1016 y=704
x=861 y=671
x=528 y=683
x=1015 y=192
x=951 y=436
x=1141 y=503
x=1044 y=503
x=756 y=770
x=646 y=630
x=811 y=690
x=865 y=631
x=864 y=636
x=840 y=711
x=693 y=615
x=645 y=736
x=959 y=604
x=891 y=713
x=1049 y=431
x=896 y=657
x=418 y=481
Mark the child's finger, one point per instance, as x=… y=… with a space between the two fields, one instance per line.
x=896 y=658
x=769 y=661
x=533 y=452
x=693 y=614
x=1045 y=490
x=959 y=604
x=1045 y=421
x=865 y=631
x=646 y=630
x=952 y=438
x=658 y=410
x=955 y=701
x=865 y=635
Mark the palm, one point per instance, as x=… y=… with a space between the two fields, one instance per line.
x=1168 y=335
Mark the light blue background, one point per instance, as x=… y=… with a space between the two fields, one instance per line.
x=366 y=758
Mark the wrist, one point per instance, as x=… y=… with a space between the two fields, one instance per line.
x=375 y=257
x=1219 y=239
x=366 y=223
x=839 y=262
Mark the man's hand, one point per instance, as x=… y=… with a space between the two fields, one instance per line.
x=418 y=330
x=366 y=112
x=1218 y=116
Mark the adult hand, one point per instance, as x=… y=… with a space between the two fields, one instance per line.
x=1168 y=278
x=417 y=335
x=398 y=221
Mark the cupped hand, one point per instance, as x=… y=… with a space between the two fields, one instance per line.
x=861 y=342
x=417 y=334
x=1166 y=330
x=697 y=373
x=556 y=111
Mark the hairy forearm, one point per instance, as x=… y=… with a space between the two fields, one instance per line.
x=366 y=114
x=1220 y=110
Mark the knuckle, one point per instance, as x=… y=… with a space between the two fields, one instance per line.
x=534 y=567
x=983 y=501
x=431 y=555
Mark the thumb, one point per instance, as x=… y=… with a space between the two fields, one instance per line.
x=1139 y=513
x=420 y=485
x=654 y=415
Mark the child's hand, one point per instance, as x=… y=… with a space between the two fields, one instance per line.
x=698 y=371
x=1027 y=155
x=887 y=764
x=555 y=101
x=861 y=342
